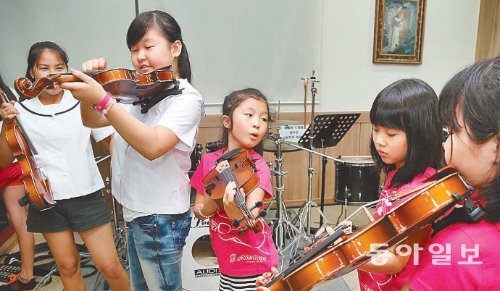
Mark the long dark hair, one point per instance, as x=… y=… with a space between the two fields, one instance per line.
x=475 y=91
x=37 y=49
x=168 y=26
x=232 y=101
x=409 y=105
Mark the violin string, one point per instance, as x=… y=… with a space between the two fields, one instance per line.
x=227 y=174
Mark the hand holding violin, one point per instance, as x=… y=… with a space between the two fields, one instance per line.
x=89 y=90
x=8 y=111
x=264 y=278
x=98 y=64
x=230 y=206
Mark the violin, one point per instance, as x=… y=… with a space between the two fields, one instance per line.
x=341 y=253
x=235 y=166
x=38 y=191
x=123 y=82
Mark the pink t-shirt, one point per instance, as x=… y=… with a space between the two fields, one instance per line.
x=462 y=256
x=245 y=254
x=376 y=281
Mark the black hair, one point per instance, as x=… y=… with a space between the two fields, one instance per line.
x=166 y=25
x=232 y=101
x=475 y=92
x=37 y=49
x=409 y=105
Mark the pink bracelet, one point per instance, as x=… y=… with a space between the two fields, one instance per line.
x=99 y=107
x=108 y=106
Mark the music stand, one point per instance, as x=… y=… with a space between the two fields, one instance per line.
x=328 y=131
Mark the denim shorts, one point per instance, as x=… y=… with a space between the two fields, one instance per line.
x=78 y=214
x=155 y=244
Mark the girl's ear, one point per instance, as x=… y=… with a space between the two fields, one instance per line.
x=31 y=74
x=176 y=48
x=226 y=121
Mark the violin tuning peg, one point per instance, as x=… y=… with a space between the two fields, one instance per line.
x=242 y=231
x=257 y=204
x=263 y=213
x=23 y=201
x=236 y=222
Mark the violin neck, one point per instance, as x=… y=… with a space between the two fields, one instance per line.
x=26 y=137
x=227 y=176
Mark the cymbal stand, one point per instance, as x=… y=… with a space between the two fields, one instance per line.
x=282 y=227
x=305 y=211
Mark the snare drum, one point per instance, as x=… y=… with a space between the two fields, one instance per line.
x=356 y=180
x=200 y=270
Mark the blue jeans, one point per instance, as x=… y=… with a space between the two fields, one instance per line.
x=155 y=245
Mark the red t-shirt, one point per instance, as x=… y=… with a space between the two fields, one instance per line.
x=246 y=254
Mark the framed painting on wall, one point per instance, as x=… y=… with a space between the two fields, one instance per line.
x=399 y=31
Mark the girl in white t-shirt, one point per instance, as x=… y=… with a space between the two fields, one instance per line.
x=151 y=154
x=54 y=125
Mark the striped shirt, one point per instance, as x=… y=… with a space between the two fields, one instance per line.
x=230 y=283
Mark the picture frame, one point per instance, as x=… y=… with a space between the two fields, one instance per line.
x=399 y=31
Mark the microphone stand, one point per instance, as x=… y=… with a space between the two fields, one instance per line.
x=305 y=211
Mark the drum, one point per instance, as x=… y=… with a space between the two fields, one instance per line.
x=200 y=270
x=356 y=180
x=195 y=159
x=214 y=146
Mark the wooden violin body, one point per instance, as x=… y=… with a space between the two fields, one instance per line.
x=121 y=82
x=235 y=166
x=38 y=191
x=351 y=251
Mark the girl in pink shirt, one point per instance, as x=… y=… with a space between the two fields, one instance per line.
x=463 y=253
x=406 y=147
x=242 y=254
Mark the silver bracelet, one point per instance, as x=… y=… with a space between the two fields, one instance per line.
x=203 y=215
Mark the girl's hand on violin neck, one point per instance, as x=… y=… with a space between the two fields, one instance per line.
x=8 y=111
x=230 y=206
x=98 y=64
x=264 y=278
x=88 y=91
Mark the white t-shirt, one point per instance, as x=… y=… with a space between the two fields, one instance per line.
x=63 y=144
x=160 y=186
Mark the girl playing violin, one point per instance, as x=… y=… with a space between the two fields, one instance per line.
x=406 y=147
x=242 y=256
x=469 y=109
x=12 y=189
x=151 y=154
x=54 y=125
